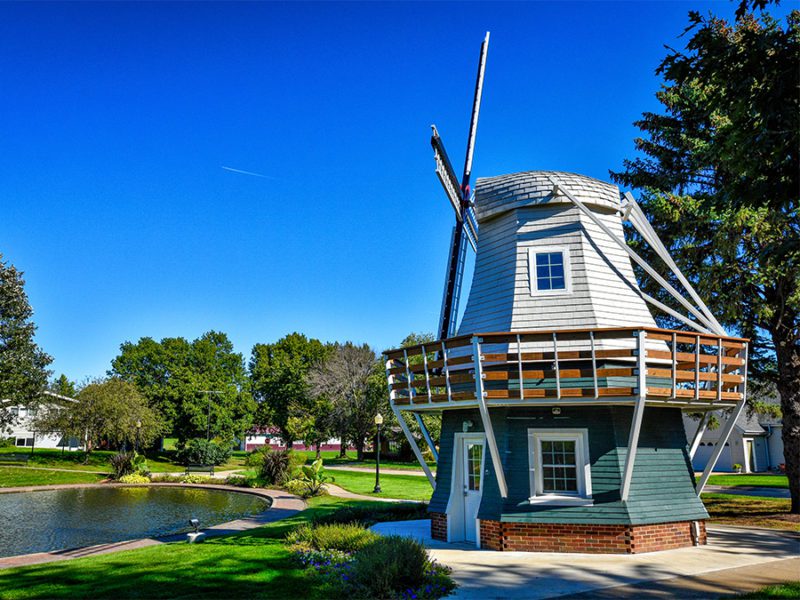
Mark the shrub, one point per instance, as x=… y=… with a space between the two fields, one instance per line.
x=241 y=481
x=297 y=487
x=274 y=468
x=139 y=463
x=121 y=464
x=7 y=442
x=347 y=538
x=368 y=515
x=314 y=477
x=198 y=479
x=166 y=478
x=134 y=478
x=395 y=567
x=203 y=452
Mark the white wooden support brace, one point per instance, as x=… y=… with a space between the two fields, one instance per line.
x=638 y=259
x=636 y=422
x=427 y=435
x=698 y=435
x=727 y=429
x=486 y=419
x=414 y=447
x=446 y=373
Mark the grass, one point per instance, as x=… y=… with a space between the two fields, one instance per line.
x=405 y=487
x=23 y=476
x=750 y=479
x=784 y=590
x=252 y=564
x=751 y=511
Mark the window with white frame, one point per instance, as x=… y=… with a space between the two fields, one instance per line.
x=559 y=466
x=549 y=270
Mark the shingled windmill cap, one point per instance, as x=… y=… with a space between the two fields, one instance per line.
x=496 y=195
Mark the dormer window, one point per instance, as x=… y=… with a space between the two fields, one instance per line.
x=549 y=270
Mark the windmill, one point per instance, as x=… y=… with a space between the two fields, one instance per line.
x=466 y=225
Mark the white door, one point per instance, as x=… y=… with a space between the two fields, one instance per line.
x=472 y=461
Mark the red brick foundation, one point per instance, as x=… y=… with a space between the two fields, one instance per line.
x=439 y=526
x=557 y=537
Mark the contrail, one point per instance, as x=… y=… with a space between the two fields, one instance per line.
x=232 y=170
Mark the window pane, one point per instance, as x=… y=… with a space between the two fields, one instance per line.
x=557 y=270
x=557 y=283
x=542 y=272
x=542 y=259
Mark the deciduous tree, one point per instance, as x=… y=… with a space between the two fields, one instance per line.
x=278 y=375
x=111 y=410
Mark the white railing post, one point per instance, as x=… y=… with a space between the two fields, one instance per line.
x=558 y=370
x=594 y=367
x=697 y=369
x=487 y=420
x=408 y=378
x=674 y=365
x=446 y=373
x=427 y=374
x=519 y=365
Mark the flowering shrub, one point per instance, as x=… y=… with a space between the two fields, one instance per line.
x=347 y=538
x=360 y=564
x=134 y=478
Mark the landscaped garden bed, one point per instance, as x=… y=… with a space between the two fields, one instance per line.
x=253 y=564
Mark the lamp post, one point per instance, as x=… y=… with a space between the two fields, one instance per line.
x=378 y=423
x=138 y=432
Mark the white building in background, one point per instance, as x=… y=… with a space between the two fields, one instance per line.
x=755 y=444
x=22 y=431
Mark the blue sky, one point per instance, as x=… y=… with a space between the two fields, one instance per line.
x=119 y=118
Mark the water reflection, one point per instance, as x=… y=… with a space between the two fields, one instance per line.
x=58 y=519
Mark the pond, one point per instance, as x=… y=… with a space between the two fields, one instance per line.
x=43 y=521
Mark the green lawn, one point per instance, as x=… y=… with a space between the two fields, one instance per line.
x=20 y=476
x=405 y=487
x=751 y=511
x=784 y=590
x=253 y=564
x=750 y=479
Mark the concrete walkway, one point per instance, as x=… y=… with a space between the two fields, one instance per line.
x=749 y=490
x=769 y=556
x=282 y=505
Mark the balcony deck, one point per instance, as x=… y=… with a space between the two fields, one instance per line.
x=696 y=372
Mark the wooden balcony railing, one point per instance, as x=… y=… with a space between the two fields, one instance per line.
x=674 y=368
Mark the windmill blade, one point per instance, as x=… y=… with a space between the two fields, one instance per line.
x=446 y=174
x=476 y=109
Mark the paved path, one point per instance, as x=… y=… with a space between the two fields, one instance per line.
x=758 y=555
x=749 y=490
x=283 y=505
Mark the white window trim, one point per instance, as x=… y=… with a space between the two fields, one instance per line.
x=532 y=252
x=584 y=474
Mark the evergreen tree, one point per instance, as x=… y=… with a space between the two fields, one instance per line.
x=23 y=365
x=719 y=176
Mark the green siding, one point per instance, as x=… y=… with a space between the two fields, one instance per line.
x=662 y=488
